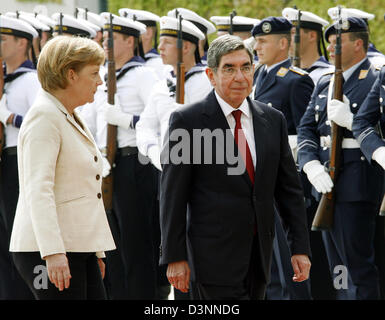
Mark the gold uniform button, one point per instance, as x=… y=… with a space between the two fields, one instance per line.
x=96 y=159
x=99 y=195
x=97 y=177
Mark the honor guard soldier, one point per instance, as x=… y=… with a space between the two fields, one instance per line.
x=96 y=21
x=277 y=82
x=149 y=38
x=287 y=89
x=313 y=55
x=131 y=269
x=45 y=35
x=203 y=25
x=313 y=59
x=376 y=57
x=241 y=26
x=368 y=129
x=20 y=88
x=153 y=123
x=349 y=243
x=38 y=25
x=68 y=25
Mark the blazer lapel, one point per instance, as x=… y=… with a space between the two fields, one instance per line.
x=85 y=132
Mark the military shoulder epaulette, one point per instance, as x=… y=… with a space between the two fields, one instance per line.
x=298 y=70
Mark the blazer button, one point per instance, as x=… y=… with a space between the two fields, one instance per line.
x=99 y=195
x=96 y=159
x=97 y=177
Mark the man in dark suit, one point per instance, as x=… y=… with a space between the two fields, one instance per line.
x=217 y=221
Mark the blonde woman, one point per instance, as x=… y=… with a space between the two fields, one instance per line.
x=60 y=219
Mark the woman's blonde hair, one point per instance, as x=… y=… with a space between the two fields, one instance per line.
x=63 y=53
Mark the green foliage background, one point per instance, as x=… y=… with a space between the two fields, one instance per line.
x=262 y=8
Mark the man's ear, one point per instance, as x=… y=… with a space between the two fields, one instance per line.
x=210 y=75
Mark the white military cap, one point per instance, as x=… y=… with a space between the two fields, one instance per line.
x=123 y=25
x=204 y=25
x=240 y=24
x=45 y=19
x=72 y=25
x=146 y=17
x=190 y=32
x=17 y=27
x=29 y=17
x=350 y=13
x=91 y=17
x=309 y=20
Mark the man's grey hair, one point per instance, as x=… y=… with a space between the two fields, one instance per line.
x=224 y=45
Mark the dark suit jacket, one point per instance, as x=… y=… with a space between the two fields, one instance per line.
x=222 y=209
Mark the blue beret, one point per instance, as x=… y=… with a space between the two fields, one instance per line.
x=272 y=25
x=351 y=24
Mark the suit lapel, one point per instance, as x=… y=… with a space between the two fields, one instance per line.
x=259 y=128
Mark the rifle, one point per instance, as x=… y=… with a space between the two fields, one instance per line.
x=107 y=183
x=323 y=219
x=2 y=137
x=297 y=41
x=232 y=15
x=180 y=71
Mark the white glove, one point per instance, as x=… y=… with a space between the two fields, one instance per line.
x=114 y=115
x=106 y=167
x=4 y=112
x=379 y=156
x=340 y=113
x=154 y=155
x=318 y=177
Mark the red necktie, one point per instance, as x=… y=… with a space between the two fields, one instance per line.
x=242 y=144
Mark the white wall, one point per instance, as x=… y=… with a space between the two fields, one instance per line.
x=67 y=6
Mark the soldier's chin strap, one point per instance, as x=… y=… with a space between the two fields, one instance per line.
x=323 y=49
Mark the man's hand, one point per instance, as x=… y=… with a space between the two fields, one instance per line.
x=301 y=266
x=318 y=177
x=58 y=270
x=178 y=274
x=339 y=112
x=102 y=267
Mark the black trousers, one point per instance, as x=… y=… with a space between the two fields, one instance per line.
x=252 y=288
x=85 y=284
x=12 y=287
x=131 y=222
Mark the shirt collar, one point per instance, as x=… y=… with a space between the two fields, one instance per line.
x=346 y=74
x=227 y=109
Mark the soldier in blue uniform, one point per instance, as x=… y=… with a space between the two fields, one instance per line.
x=350 y=242
x=376 y=57
x=287 y=89
x=313 y=59
x=368 y=129
x=313 y=55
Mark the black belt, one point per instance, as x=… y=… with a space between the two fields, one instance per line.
x=11 y=151
x=127 y=151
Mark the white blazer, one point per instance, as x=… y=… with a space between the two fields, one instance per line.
x=60 y=207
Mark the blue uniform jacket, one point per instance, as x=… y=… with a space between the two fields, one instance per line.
x=358 y=180
x=369 y=122
x=287 y=89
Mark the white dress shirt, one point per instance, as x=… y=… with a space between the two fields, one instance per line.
x=246 y=122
